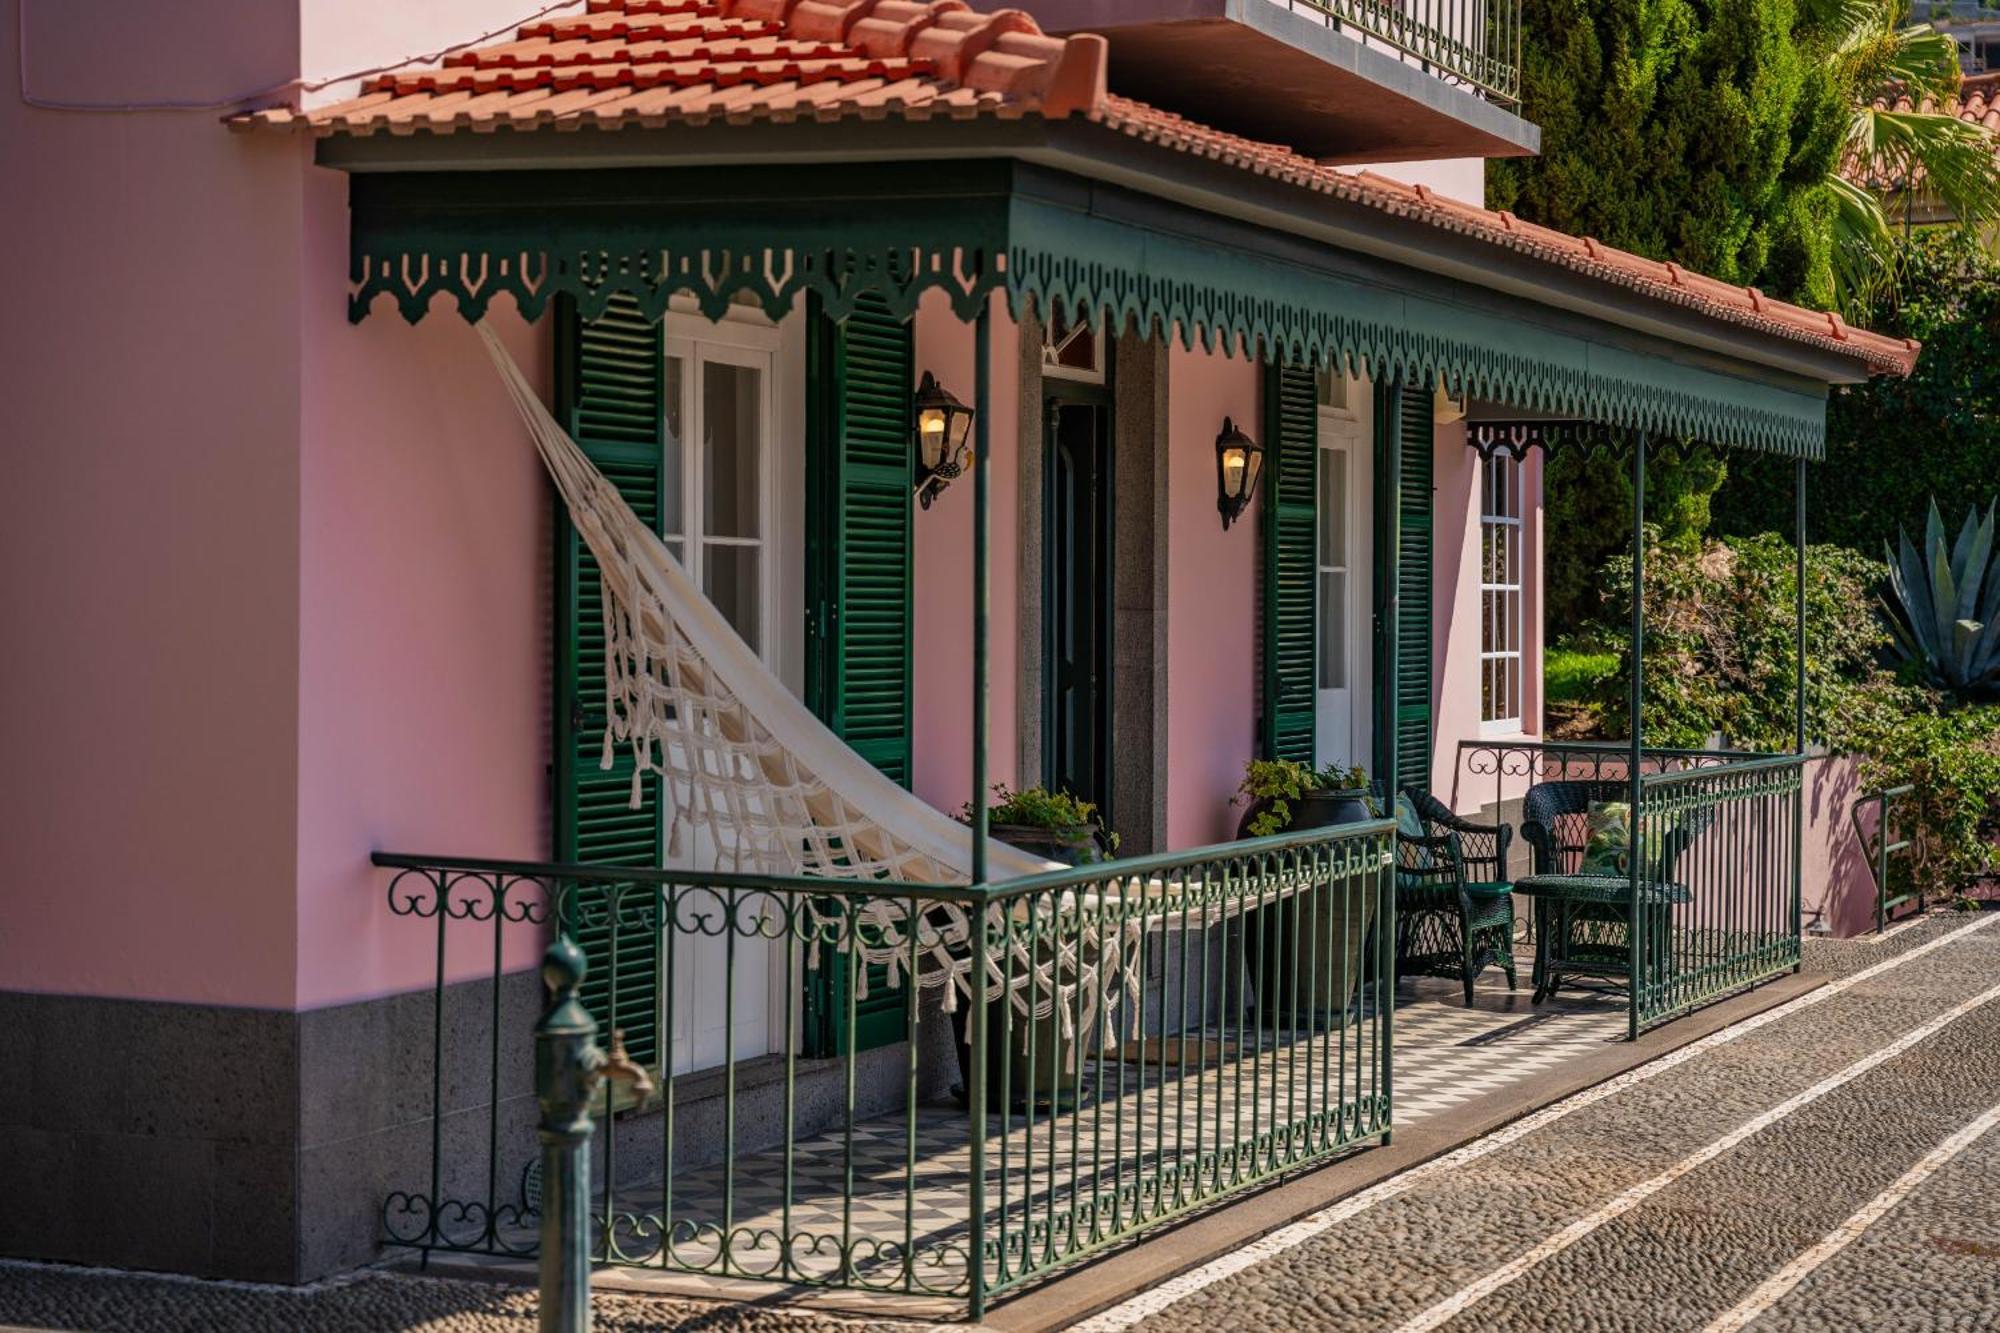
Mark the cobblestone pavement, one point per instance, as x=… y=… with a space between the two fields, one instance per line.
x=39 y=1298
x=1673 y=1202
x=1794 y=1173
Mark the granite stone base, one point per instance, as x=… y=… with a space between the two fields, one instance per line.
x=261 y=1145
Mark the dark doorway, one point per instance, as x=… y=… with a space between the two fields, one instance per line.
x=1077 y=602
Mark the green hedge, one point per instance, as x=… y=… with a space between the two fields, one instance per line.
x=1892 y=444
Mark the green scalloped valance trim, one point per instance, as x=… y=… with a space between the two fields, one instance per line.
x=475 y=238
x=1544 y=361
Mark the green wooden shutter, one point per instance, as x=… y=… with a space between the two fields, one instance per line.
x=1291 y=564
x=861 y=474
x=1415 y=547
x=610 y=396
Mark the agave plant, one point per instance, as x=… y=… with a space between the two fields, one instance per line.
x=1945 y=614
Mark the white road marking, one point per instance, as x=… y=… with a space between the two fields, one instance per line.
x=1892 y=932
x=1625 y=1201
x=1149 y=1303
x=1780 y=1284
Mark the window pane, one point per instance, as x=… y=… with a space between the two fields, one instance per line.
x=1332 y=630
x=729 y=579
x=1331 y=387
x=732 y=402
x=1333 y=508
x=672 y=460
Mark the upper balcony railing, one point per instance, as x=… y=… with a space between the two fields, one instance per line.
x=1475 y=43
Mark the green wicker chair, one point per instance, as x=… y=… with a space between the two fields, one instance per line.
x=1454 y=906
x=1583 y=923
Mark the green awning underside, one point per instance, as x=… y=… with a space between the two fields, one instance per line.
x=715 y=235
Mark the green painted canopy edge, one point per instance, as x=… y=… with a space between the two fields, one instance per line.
x=900 y=230
x=1229 y=298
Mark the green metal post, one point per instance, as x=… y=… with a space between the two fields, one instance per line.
x=1799 y=741
x=982 y=343
x=1388 y=576
x=569 y=1067
x=1635 y=931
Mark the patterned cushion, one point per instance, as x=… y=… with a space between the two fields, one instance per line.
x=1607 y=847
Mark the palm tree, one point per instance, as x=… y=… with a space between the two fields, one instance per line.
x=1889 y=73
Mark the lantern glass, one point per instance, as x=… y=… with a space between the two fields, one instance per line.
x=931 y=429
x=1235 y=466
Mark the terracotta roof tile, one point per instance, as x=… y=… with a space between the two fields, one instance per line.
x=1976 y=103
x=1711 y=296
x=654 y=63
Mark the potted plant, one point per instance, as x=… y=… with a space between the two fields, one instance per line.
x=1052 y=824
x=1062 y=828
x=1281 y=794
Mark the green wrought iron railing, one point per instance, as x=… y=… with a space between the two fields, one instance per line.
x=1476 y=43
x=1712 y=903
x=1152 y=1035
x=1883 y=847
x=1715 y=902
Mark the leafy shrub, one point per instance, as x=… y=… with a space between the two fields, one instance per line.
x=1721 y=651
x=1892 y=442
x=1952 y=757
x=1573 y=674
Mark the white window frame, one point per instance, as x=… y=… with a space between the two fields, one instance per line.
x=1510 y=659
x=743 y=337
x=1340 y=404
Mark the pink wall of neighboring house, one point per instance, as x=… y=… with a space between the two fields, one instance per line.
x=425 y=621
x=1212 y=601
x=941 y=727
x=149 y=563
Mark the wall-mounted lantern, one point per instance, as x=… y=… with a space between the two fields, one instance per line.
x=944 y=427
x=1239 y=462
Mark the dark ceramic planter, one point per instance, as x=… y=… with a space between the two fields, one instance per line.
x=1077 y=845
x=1279 y=952
x=1316 y=809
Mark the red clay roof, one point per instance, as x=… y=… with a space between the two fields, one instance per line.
x=654 y=63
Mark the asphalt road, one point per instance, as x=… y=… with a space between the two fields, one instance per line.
x=1832 y=1164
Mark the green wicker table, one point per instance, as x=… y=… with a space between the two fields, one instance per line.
x=1583 y=926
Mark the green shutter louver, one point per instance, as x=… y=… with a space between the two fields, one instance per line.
x=610 y=396
x=1290 y=575
x=1415 y=546
x=861 y=475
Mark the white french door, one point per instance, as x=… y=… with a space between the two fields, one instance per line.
x=1344 y=725
x=718 y=511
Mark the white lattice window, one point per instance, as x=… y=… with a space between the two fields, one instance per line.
x=1503 y=634
x=716 y=474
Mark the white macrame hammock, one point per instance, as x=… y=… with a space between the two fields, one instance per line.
x=742 y=760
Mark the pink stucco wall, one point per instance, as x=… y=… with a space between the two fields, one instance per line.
x=283 y=581
x=424 y=652
x=149 y=563
x=1211 y=600
x=941 y=684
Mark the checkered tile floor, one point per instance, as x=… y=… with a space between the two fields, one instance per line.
x=1089 y=1165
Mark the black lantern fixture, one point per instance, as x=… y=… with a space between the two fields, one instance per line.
x=944 y=431
x=1239 y=462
